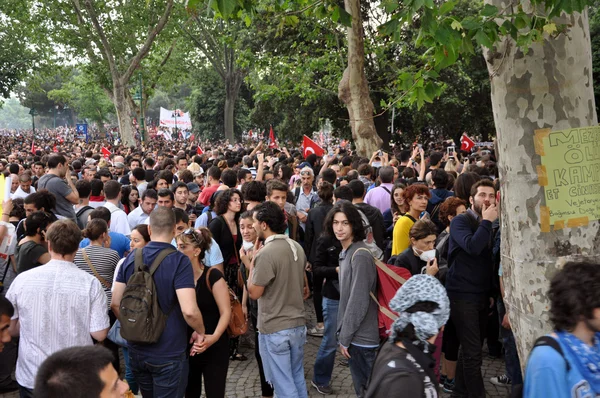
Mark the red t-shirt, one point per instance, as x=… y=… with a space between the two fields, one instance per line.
x=207 y=193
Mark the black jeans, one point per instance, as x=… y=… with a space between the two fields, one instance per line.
x=470 y=320
x=212 y=367
x=318 y=296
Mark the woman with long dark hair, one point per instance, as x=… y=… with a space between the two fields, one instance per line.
x=225 y=230
x=129 y=198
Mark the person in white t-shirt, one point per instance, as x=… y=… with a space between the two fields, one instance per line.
x=118 y=218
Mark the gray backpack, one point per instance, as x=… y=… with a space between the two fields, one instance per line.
x=142 y=320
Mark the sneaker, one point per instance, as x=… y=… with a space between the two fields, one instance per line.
x=448 y=386
x=325 y=390
x=443 y=379
x=316 y=331
x=501 y=380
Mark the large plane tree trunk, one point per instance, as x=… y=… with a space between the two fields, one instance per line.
x=550 y=87
x=123 y=108
x=353 y=89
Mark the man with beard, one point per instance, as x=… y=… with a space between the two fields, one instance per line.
x=277 y=281
x=469 y=286
x=63 y=189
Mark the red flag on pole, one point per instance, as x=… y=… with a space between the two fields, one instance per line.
x=54 y=149
x=311 y=147
x=33 y=146
x=272 y=142
x=250 y=134
x=106 y=153
x=199 y=150
x=466 y=144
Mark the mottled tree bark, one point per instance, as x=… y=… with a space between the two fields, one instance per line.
x=549 y=87
x=122 y=101
x=353 y=89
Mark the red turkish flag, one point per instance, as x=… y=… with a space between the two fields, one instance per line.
x=272 y=143
x=55 y=149
x=32 y=147
x=199 y=150
x=106 y=153
x=466 y=144
x=311 y=147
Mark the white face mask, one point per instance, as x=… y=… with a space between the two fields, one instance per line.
x=427 y=255
x=247 y=245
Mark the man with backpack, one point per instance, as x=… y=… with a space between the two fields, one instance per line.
x=58 y=183
x=380 y=197
x=157 y=333
x=83 y=209
x=357 y=329
x=468 y=282
x=566 y=362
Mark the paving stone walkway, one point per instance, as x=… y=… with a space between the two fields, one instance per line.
x=243 y=379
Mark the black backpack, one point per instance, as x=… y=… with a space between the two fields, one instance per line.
x=142 y=320
x=82 y=215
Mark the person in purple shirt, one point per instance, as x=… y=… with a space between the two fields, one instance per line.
x=380 y=197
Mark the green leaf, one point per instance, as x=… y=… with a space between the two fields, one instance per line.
x=489 y=10
x=550 y=28
x=456 y=25
x=447 y=7
x=428 y=3
x=522 y=21
x=470 y=23
x=483 y=40
x=226 y=7
x=335 y=15
x=345 y=17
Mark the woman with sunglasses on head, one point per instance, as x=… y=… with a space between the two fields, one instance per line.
x=210 y=359
x=225 y=230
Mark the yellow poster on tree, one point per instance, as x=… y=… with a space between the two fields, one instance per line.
x=570 y=175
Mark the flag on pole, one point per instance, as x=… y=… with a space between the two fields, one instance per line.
x=311 y=147
x=54 y=149
x=272 y=142
x=250 y=134
x=466 y=144
x=33 y=146
x=106 y=153
x=199 y=150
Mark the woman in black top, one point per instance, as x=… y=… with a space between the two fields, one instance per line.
x=32 y=249
x=210 y=359
x=225 y=230
x=405 y=363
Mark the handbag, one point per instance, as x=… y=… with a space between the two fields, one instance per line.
x=103 y=281
x=114 y=334
x=238 y=324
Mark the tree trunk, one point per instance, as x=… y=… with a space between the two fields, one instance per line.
x=549 y=87
x=123 y=109
x=233 y=82
x=353 y=89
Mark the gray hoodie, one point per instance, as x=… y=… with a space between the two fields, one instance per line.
x=357 y=315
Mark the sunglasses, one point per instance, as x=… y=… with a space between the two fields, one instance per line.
x=192 y=232
x=305 y=173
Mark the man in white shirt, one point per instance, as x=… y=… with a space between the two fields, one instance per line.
x=25 y=187
x=141 y=213
x=56 y=305
x=118 y=218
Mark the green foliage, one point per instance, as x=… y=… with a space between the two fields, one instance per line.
x=207 y=106
x=14 y=116
x=84 y=96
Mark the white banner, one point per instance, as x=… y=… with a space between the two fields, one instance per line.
x=176 y=118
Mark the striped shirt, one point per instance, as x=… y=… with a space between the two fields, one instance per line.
x=104 y=261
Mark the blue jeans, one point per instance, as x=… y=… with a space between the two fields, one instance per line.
x=282 y=354
x=128 y=373
x=361 y=363
x=511 y=358
x=159 y=377
x=326 y=354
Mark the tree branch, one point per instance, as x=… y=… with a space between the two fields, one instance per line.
x=105 y=44
x=149 y=40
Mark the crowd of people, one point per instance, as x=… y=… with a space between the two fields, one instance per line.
x=151 y=252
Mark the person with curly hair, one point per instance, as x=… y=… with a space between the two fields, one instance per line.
x=566 y=363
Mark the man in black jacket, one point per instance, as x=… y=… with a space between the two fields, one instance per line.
x=469 y=284
x=325 y=266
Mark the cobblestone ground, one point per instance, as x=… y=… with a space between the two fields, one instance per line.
x=243 y=379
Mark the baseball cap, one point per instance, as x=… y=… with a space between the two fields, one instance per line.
x=193 y=187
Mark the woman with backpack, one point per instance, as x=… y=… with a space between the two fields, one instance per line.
x=209 y=360
x=225 y=230
x=423 y=308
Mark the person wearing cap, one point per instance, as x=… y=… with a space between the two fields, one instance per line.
x=405 y=363
x=193 y=194
x=119 y=171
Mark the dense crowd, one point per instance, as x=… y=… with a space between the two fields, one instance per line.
x=168 y=251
